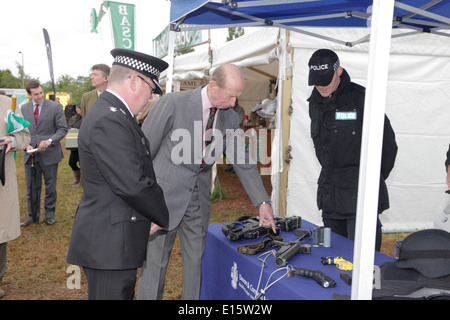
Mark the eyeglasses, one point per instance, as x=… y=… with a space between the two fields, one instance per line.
x=152 y=87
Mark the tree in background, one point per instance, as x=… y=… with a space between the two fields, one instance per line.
x=76 y=87
x=235 y=32
x=7 y=80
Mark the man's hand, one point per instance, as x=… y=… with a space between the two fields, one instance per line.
x=266 y=216
x=448 y=177
x=7 y=142
x=154 y=227
x=44 y=144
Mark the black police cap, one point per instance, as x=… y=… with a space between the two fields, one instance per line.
x=143 y=63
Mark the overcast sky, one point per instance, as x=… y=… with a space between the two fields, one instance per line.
x=75 y=49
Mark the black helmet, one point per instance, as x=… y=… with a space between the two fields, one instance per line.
x=427 y=251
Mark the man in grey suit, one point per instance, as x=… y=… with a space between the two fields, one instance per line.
x=121 y=196
x=47 y=128
x=177 y=129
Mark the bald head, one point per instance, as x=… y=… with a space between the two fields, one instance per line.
x=226 y=85
x=228 y=74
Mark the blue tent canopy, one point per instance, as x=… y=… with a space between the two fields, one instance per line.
x=425 y=15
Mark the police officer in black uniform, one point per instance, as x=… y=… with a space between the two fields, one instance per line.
x=336 y=108
x=121 y=197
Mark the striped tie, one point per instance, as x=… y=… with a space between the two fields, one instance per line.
x=209 y=132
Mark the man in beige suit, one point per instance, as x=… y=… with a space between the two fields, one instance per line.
x=99 y=80
x=9 y=197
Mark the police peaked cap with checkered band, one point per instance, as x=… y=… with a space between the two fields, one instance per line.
x=142 y=63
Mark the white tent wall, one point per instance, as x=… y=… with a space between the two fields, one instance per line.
x=418 y=106
x=256 y=89
x=257 y=48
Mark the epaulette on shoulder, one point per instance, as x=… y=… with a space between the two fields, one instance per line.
x=112 y=109
x=358 y=87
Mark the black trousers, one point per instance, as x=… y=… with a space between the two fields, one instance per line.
x=110 y=284
x=346 y=228
x=74 y=159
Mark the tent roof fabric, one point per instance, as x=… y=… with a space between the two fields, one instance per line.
x=424 y=15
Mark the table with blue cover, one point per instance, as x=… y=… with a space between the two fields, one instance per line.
x=230 y=275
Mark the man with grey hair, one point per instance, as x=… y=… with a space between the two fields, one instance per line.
x=186 y=182
x=99 y=79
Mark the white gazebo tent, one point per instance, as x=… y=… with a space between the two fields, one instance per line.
x=417 y=15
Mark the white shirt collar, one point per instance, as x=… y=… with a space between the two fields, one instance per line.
x=120 y=98
x=35 y=103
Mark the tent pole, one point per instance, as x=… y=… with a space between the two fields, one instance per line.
x=171 y=59
x=371 y=148
x=283 y=136
x=282 y=127
x=423 y=12
x=277 y=164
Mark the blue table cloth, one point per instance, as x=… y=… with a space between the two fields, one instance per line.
x=230 y=275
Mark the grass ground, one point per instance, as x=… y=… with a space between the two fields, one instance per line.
x=36 y=261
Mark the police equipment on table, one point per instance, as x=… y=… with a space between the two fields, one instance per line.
x=289 y=249
x=422 y=269
x=320 y=277
x=247 y=227
x=340 y=263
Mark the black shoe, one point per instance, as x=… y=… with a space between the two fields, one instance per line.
x=28 y=222
x=50 y=221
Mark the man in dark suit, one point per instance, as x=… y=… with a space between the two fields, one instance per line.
x=177 y=129
x=47 y=128
x=121 y=196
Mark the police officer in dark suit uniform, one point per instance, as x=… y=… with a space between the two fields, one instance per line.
x=121 y=197
x=336 y=108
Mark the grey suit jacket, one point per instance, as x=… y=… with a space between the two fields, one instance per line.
x=174 y=130
x=51 y=125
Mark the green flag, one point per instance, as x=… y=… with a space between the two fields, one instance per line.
x=94 y=21
x=103 y=7
x=15 y=122
x=122 y=17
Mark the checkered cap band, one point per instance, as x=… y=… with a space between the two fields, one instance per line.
x=336 y=65
x=137 y=65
